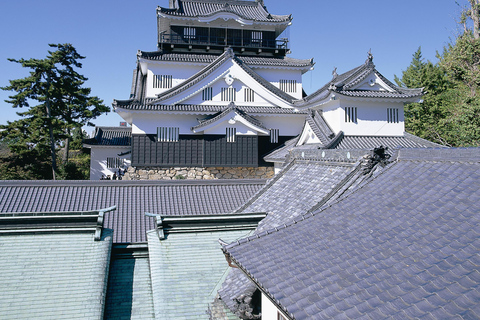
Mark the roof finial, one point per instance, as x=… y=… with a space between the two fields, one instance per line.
x=370 y=56
x=334 y=73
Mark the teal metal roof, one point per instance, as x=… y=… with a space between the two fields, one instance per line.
x=54 y=275
x=187 y=269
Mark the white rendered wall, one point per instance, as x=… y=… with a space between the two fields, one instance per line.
x=147 y=123
x=269 y=310
x=179 y=72
x=98 y=160
x=275 y=75
x=371 y=118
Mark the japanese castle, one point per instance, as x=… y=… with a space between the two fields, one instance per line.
x=221 y=91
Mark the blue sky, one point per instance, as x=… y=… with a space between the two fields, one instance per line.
x=109 y=33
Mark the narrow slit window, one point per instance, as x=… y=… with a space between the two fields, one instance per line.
x=168 y=134
x=229 y=94
x=162 y=81
x=231 y=134
x=392 y=115
x=114 y=163
x=257 y=36
x=189 y=33
x=207 y=94
x=249 y=95
x=274 y=133
x=351 y=114
x=288 y=85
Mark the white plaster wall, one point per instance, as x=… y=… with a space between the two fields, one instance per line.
x=308 y=136
x=371 y=118
x=269 y=310
x=289 y=125
x=179 y=72
x=98 y=160
x=275 y=75
x=147 y=123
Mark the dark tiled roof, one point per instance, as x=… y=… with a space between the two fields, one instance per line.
x=250 y=10
x=111 y=136
x=307 y=182
x=370 y=142
x=320 y=127
x=209 y=58
x=343 y=84
x=228 y=54
x=224 y=113
x=132 y=199
x=405 y=245
x=201 y=109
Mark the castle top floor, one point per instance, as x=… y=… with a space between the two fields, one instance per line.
x=212 y=25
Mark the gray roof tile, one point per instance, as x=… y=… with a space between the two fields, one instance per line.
x=404 y=244
x=111 y=136
x=250 y=10
x=132 y=198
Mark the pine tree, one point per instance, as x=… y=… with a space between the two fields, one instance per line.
x=56 y=103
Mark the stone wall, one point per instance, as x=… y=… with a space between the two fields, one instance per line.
x=196 y=173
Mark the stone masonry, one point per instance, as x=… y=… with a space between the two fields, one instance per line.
x=196 y=173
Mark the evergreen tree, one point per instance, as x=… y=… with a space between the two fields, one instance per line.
x=56 y=103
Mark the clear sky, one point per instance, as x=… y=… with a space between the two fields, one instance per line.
x=109 y=33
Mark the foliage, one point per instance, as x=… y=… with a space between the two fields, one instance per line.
x=450 y=112
x=57 y=104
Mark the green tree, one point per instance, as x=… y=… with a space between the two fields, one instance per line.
x=56 y=103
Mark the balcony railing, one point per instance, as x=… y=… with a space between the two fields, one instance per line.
x=225 y=41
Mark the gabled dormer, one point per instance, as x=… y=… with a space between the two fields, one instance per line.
x=362 y=102
x=212 y=25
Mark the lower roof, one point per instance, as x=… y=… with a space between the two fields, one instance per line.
x=132 y=199
x=404 y=245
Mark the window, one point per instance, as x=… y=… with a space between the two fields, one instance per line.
x=189 y=32
x=207 y=94
x=274 y=135
x=162 y=81
x=168 y=134
x=280 y=316
x=288 y=85
x=257 y=36
x=231 y=132
x=392 y=115
x=229 y=94
x=351 y=114
x=114 y=163
x=249 y=95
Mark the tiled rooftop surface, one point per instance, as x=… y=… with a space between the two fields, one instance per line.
x=250 y=10
x=405 y=245
x=52 y=276
x=111 y=136
x=132 y=198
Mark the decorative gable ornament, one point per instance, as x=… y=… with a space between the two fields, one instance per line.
x=229 y=79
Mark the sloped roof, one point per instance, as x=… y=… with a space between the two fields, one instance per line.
x=344 y=84
x=220 y=116
x=404 y=245
x=250 y=10
x=190 y=265
x=252 y=61
x=111 y=136
x=132 y=198
x=307 y=182
x=129 y=294
x=228 y=54
x=53 y=267
x=200 y=109
x=342 y=142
